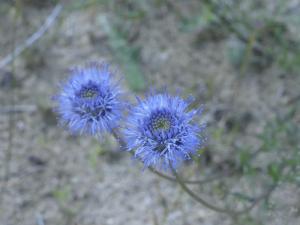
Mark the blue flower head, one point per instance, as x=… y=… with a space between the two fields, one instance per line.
x=90 y=101
x=162 y=131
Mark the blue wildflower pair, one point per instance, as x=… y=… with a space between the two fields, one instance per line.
x=159 y=129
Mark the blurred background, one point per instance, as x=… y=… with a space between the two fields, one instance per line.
x=239 y=58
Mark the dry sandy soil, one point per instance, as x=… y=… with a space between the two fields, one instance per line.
x=55 y=178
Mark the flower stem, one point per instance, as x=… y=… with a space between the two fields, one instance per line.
x=183 y=184
x=122 y=143
x=198 y=182
x=219 y=209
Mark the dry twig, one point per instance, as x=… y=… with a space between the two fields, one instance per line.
x=33 y=38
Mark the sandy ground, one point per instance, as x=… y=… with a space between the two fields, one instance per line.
x=55 y=178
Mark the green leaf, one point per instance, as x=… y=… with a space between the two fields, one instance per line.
x=245 y=156
x=94 y=154
x=126 y=56
x=132 y=71
x=274 y=172
x=62 y=194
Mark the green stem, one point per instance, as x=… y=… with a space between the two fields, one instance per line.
x=122 y=143
x=183 y=185
x=199 y=182
x=216 y=208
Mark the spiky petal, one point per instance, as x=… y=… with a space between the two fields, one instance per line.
x=89 y=102
x=162 y=131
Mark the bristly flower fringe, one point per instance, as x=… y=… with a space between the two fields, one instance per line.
x=161 y=130
x=90 y=101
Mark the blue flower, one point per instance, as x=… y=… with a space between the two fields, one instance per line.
x=162 y=131
x=90 y=101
